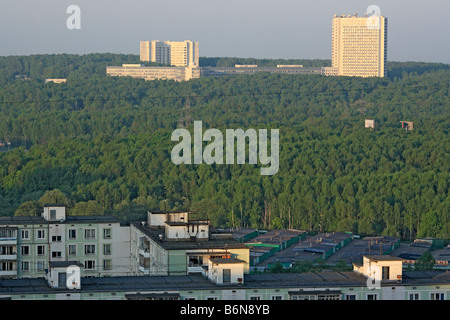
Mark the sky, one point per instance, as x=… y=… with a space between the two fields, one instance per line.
x=277 y=29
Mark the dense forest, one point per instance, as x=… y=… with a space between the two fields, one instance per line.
x=102 y=145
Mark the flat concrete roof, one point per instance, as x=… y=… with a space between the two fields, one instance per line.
x=135 y=284
x=69 y=219
x=212 y=243
x=383 y=258
x=226 y=260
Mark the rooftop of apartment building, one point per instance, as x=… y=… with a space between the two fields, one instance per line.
x=199 y=282
x=215 y=241
x=364 y=15
x=69 y=219
x=25 y=220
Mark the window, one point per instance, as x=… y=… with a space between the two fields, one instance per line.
x=89 y=264
x=25 y=234
x=40 y=250
x=52 y=214
x=72 y=249
x=371 y=297
x=107 y=249
x=72 y=234
x=56 y=238
x=106 y=233
x=25 y=265
x=40 y=265
x=313 y=296
x=226 y=275
x=277 y=298
x=350 y=297
x=6 y=250
x=7 y=233
x=89 y=249
x=255 y=298
x=414 y=296
x=107 y=264
x=6 y=266
x=385 y=273
x=25 y=250
x=195 y=261
x=40 y=234
x=437 y=296
x=89 y=233
x=56 y=254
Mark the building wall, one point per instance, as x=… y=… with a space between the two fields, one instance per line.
x=33 y=250
x=144 y=51
x=148 y=73
x=175 y=53
x=374 y=269
x=185 y=232
x=37 y=244
x=188 y=73
x=422 y=292
x=357 y=49
x=216 y=272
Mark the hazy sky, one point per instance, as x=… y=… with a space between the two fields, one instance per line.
x=418 y=30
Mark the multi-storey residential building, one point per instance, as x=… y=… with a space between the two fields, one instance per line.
x=170 y=243
x=29 y=244
x=359 y=45
x=175 y=53
x=379 y=278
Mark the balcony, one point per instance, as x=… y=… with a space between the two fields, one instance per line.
x=144 y=253
x=8 y=269
x=10 y=256
x=144 y=270
x=8 y=273
x=8 y=236
x=196 y=269
x=8 y=252
x=8 y=241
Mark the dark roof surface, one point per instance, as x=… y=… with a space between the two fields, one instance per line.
x=213 y=243
x=69 y=219
x=197 y=282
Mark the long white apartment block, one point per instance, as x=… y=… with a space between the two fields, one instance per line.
x=28 y=245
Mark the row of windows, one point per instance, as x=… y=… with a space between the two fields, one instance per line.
x=40 y=265
x=7 y=233
x=89 y=249
x=370 y=296
x=73 y=234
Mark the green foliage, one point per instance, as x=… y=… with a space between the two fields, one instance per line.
x=55 y=196
x=425 y=262
x=105 y=143
x=83 y=208
x=277 y=267
x=27 y=209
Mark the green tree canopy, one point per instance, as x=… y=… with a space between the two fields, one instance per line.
x=54 y=196
x=28 y=208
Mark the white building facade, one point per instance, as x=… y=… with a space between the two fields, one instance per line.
x=29 y=244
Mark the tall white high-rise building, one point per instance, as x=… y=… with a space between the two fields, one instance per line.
x=359 y=45
x=174 y=53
